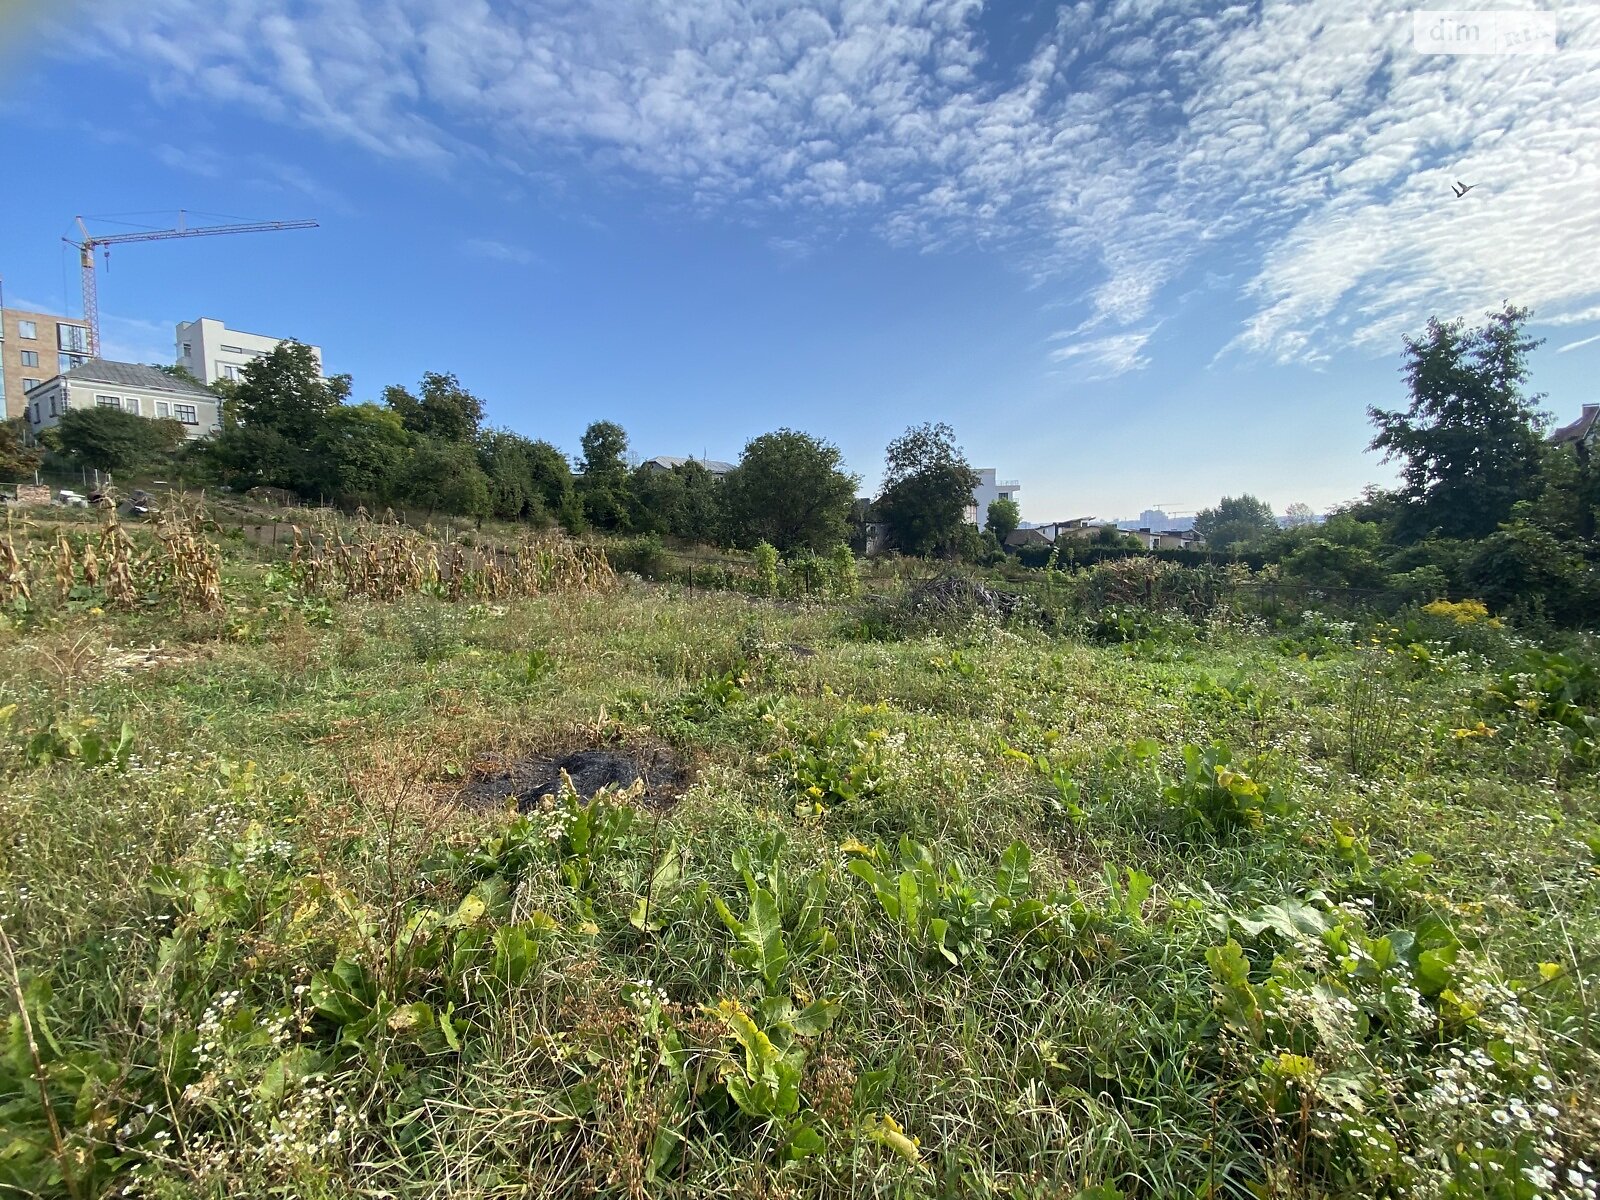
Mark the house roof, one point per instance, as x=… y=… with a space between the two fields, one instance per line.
x=121 y=374
x=667 y=461
x=1580 y=429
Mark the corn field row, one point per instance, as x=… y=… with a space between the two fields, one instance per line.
x=385 y=562
x=180 y=564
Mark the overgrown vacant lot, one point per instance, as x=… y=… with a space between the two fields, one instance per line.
x=1225 y=910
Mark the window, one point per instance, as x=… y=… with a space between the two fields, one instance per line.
x=36 y=417
x=107 y=402
x=232 y=349
x=186 y=413
x=27 y=329
x=30 y=358
x=163 y=409
x=27 y=383
x=53 y=411
x=65 y=362
x=186 y=351
x=131 y=404
x=229 y=371
x=72 y=338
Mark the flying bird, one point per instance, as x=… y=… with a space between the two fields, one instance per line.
x=1461 y=189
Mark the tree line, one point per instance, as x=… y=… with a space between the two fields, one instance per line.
x=287 y=427
x=1485 y=505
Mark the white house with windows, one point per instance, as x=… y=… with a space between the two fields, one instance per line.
x=143 y=391
x=210 y=351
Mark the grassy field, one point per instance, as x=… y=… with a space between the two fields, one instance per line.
x=969 y=909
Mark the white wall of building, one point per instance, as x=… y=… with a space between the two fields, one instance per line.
x=210 y=351
x=50 y=401
x=989 y=490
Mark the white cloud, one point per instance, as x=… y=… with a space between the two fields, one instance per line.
x=499 y=251
x=1574 y=345
x=1301 y=142
x=1109 y=356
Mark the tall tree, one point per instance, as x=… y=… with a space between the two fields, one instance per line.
x=528 y=480
x=603 y=487
x=791 y=490
x=446 y=477
x=1235 y=522
x=284 y=390
x=1002 y=518
x=444 y=410
x=1469 y=444
x=1299 y=513
x=927 y=489
x=361 y=452
x=685 y=502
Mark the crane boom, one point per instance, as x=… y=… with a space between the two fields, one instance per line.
x=92 y=242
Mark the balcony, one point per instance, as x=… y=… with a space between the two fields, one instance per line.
x=1008 y=483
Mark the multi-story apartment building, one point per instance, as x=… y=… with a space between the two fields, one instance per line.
x=34 y=347
x=210 y=351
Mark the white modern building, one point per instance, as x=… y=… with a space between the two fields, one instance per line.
x=989 y=490
x=210 y=351
x=143 y=391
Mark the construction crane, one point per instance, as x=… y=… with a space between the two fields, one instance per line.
x=92 y=242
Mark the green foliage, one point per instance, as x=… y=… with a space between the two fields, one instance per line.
x=446 y=477
x=1002 y=518
x=1557 y=689
x=17 y=459
x=445 y=411
x=1229 y=802
x=766 y=558
x=362 y=453
x=602 y=486
x=685 y=501
x=790 y=490
x=835 y=765
x=80 y=740
x=528 y=480
x=1468 y=444
x=112 y=440
x=1236 y=522
x=927 y=488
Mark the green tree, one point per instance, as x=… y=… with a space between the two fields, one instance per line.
x=1003 y=517
x=1524 y=567
x=112 y=440
x=927 y=488
x=603 y=486
x=1469 y=444
x=444 y=410
x=790 y=489
x=528 y=480
x=1236 y=522
x=284 y=390
x=17 y=458
x=446 y=477
x=684 y=502
x=361 y=451
x=1298 y=514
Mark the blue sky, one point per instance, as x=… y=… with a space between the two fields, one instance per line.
x=1136 y=253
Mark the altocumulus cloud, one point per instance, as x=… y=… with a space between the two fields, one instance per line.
x=1304 y=146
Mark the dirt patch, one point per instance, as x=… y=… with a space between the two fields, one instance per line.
x=531 y=778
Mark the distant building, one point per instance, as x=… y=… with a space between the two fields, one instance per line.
x=665 y=462
x=1584 y=432
x=143 y=391
x=36 y=346
x=210 y=351
x=989 y=490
